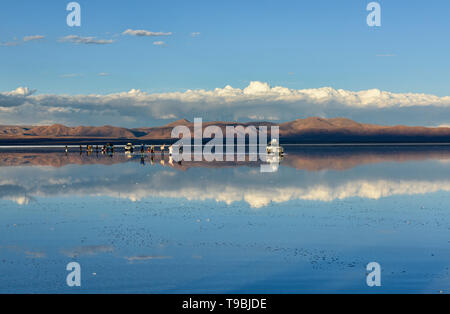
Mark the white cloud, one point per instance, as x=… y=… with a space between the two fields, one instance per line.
x=168 y=116
x=34 y=37
x=86 y=40
x=145 y=33
x=70 y=75
x=16 y=42
x=195 y=34
x=20 y=91
x=9 y=44
x=159 y=43
x=257 y=100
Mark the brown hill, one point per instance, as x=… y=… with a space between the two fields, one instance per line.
x=317 y=125
x=59 y=130
x=312 y=129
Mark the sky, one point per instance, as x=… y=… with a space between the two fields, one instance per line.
x=143 y=63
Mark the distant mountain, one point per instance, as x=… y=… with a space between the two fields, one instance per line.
x=309 y=130
x=58 y=130
x=341 y=130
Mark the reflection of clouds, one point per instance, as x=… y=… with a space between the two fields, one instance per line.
x=88 y=250
x=142 y=258
x=263 y=196
x=364 y=189
x=258 y=198
x=35 y=254
x=228 y=185
x=19 y=200
x=12 y=191
x=28 y=254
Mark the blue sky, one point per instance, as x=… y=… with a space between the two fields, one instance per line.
x=294 y=44
x=298 y=44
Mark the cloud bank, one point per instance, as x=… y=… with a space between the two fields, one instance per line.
x=257 y=101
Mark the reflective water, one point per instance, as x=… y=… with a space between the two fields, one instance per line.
x=141 y=225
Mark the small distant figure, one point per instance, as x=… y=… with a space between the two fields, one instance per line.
x=170 y=150
x=67 y=149
x=153 y=149
x=142 y=148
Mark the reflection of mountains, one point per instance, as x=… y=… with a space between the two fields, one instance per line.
x=334 y=158
x=302 y=158
x=224 y=183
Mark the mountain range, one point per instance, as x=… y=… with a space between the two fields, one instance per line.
x=308 y=130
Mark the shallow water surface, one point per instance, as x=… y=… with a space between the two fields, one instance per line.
x=142 y=224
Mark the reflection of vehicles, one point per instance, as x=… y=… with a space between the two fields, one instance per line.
x=273 y=158
x=129 y=148
x=274 y=148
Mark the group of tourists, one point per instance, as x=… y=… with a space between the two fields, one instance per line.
x=109 y=148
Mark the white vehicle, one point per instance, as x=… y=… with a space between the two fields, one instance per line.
x=274 y=148
x=129 y=148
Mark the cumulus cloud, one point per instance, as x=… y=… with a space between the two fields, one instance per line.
x=86 y=40
x=20 y=91
x=257 y=101
x=145 y=33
